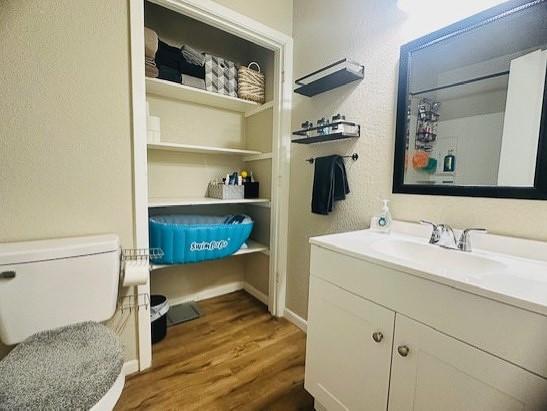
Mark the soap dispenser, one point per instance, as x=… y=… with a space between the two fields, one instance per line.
x=382 y=222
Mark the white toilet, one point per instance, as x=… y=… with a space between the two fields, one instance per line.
x=70 y=283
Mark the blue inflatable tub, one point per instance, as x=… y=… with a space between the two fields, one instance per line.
x=194 y=238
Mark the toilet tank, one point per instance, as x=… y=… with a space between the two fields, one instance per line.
x=51 y=283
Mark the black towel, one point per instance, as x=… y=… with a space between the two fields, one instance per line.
x=170 y=74
x=330 y=183
x=191 y=69
x=168 y=56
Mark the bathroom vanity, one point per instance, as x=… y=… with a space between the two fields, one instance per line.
x=397 y=323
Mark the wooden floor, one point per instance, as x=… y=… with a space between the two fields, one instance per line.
x=235 y=357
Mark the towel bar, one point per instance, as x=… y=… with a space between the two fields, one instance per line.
x=354 y=157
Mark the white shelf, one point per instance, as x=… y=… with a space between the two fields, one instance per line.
x=252 y=247
x=176 y=91
x=256 y=157
x=189 y=148
x=259 y=109
x=172 y=202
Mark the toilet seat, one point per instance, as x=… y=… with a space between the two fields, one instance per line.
x=73 y=367
x=112 y=396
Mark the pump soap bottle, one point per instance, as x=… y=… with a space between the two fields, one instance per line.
x=382 y=222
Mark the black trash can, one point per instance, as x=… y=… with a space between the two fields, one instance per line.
x=158 y=317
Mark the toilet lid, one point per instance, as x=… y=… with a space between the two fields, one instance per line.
x=71 y=367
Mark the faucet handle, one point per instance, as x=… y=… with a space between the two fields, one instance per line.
x=435 y=234
x=425 y=222
x=464 y=243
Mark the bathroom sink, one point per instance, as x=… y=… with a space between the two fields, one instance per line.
x=446 y=260
x=507 y=269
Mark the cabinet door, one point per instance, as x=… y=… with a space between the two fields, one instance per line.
x=432 y=371
x=348 y=351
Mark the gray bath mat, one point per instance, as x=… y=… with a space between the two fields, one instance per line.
x=182 y=312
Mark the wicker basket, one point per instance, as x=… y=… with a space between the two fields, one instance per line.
x=226 y=192
x=250 y=83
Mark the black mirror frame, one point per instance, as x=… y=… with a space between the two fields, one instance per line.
x=537 y=192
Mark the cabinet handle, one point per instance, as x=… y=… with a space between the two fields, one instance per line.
x=403 y=350
x=377 y=336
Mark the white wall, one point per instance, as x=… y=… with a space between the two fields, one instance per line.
x=371 y=32
x=277 y=14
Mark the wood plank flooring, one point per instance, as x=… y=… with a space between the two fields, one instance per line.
x=235 y=357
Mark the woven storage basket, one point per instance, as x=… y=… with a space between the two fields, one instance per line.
x=250 y=83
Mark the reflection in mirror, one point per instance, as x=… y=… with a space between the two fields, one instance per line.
x=474 y=104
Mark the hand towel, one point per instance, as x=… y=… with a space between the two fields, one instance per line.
x=150 y=42
x=192 y=55
x=330 y=183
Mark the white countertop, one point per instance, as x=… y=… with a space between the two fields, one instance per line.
x=510 y=270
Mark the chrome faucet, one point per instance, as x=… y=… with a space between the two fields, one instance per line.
x=464 y=244
x=439 y=231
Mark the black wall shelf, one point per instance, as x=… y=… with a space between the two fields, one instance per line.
x=352 y=130
x=323 y=139
x=330 y=77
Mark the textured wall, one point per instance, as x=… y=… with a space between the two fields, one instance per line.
x=65 y=139
x=276 y=14
x=65 y=155
x=370 y=32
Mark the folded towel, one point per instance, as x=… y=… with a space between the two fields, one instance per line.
x=168 y=56
x=191 y=81
x=194 y=70
x=150 y=42
x=150 y=70
x=192 y=55
x=170 y=74
x=330 y=183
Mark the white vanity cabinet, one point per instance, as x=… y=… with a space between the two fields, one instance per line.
x=348 y=353
x=435 y=372
x=441 y=348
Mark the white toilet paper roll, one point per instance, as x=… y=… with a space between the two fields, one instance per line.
x=135 y=273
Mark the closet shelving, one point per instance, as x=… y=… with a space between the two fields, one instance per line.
x=252 y=247
x=204 y=136
x=168 y=89
x=179 y=202
x=190 y=148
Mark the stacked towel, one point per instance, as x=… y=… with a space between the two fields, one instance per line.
x=191 y=81
x=330 y=184
x=192 y=55
x=150 y=49
x=172 y=64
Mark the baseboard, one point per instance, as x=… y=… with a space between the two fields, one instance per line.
x=221 y=290
x=296 y=319
x=130 y=367
x=209 y=293
x=256 y=293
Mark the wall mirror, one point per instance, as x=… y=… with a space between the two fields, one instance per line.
x=472 y=107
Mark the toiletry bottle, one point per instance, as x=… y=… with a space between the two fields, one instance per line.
x=449 y=162
x=384 y=219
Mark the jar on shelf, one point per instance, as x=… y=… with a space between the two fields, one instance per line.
x=307 y=125
x=336 y=127
x=323 y=124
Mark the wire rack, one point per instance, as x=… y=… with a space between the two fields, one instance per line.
x=134 y=302
x=141 y=254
